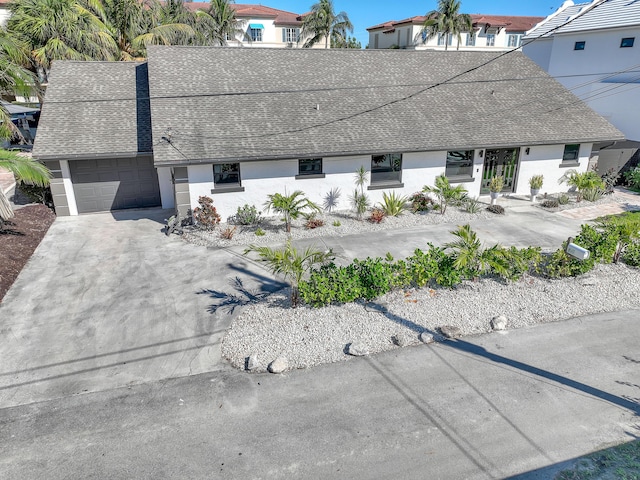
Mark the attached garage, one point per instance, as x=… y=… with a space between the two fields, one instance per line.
x=114 y=184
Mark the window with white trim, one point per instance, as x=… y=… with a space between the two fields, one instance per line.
x=256 y=34
x=471 y=39
x=514 y=40
x=491 y=40
x=443 y=36
x=290 y=35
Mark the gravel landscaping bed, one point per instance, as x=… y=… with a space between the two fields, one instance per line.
x=348 y=225
x=308 y=336
x=611 y=198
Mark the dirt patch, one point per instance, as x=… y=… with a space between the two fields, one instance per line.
x=19 y=239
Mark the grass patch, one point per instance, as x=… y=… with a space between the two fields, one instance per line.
x=620 y=462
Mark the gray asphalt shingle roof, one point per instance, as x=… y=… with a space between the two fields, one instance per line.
x=220 y=104
x=95 y=108
x=608 y=14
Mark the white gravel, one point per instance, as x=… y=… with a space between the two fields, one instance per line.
x=611 y=198
x=311 y=336
x=348 y=224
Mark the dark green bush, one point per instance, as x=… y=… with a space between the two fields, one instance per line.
x=631 y=255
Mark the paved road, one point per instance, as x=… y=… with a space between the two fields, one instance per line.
x=487 y=407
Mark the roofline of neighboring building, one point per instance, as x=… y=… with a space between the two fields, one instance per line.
x=477 y=17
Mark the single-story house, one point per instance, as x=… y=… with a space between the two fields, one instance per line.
x=238 y=124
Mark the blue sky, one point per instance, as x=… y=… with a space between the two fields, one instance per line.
x=366 y=13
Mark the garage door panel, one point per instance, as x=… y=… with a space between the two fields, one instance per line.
x=102 y=185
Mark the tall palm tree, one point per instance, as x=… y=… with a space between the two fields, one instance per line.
x=217 y=24
x=446 y=20
x=26 y=170
x=324 y=23
x=60 y=30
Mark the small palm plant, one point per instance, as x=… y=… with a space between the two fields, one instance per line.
x=393 y=204
x=445 y=193
x=360 y=200
x=471 y=257
x=588 y=184
x=290 y=206
x=291 y=263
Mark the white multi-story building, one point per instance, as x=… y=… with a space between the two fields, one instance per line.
x=591 y=49
x=264 y=26
x=490 y=33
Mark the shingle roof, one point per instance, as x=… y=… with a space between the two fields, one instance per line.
x=95 y=108
x=240 y=104
x=281 y=17
x=510 y=23
x=555 y=20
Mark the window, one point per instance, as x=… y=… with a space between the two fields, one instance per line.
x=442 y=36
x=514 y=40
x=290 y=35
x=627 y=42
x=491 y=40
x=471 y=39
x=571 y=154
x=459 y=164
x=256 y=34
x=579 y=46
x=386 y=169
x=309 y=167
x=226 y=175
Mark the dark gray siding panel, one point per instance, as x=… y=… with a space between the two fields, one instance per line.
x=102 y=185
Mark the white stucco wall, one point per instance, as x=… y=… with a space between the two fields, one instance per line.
x=262 y=178
x=68 y=187
x=581 y=70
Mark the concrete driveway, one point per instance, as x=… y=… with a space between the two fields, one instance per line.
x=109 y=301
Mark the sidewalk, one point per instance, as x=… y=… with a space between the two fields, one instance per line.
x=7 y=181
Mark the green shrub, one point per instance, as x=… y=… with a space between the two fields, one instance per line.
x=420 y=202
x=632 y=178
x=563 y=199
x=472 y=205
x=535 y=182
x=336 y=223
x=631 y=255
x=247 y=215
x=445 y=193
x=360 y=203
x=393 y=204
x=496 y=184
x=592 y=194
x=559 y=264
x=290 y=206
x=260 y=232
x=551 y=203
x=511 y=263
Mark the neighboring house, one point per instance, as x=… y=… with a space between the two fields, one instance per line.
x=490 y=33
x=237 y=124
x=265 y=26
x=593 y=49
x=26 y=120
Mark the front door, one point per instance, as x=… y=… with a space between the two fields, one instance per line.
x=503 y=161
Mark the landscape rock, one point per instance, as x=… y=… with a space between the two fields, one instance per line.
x=356 y=350
x=402 y=339
x=379 y=307
x=450 y=331
x=252 y=363
x=279 y=365
x=426 y=337
x=499 y=322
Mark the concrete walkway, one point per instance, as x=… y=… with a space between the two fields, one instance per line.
x=7 y=181
x=485 y=407
x=591 y=212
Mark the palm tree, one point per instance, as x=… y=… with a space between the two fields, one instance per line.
x=323 y=23
x=26 y=170
x=60 y=30
x=15 y=78
x=290 y=206
x=446 y=20
x=445 y=193
x=218 y=23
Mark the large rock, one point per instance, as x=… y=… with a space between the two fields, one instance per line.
x=499 y=322
x=357 y=350
x=402 y=339
x=451 y=331
x=279 y=365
